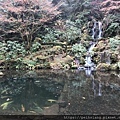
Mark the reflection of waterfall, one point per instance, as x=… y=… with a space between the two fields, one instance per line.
x=99 y=91
x=96 y=87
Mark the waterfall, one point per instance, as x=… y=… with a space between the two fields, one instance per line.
x=93 y=29
x=91 y=47
x=100 y=30
x=88 y=59
x=97 y=26
x=96 y=34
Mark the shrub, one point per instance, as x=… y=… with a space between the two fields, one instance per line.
x=114 y=43
x=78 y=50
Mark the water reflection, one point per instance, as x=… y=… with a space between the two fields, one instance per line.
x=60 y=92
x=97 y=87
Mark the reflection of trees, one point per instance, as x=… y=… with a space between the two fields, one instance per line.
x=80 y=94
x=28 y=95
x=91 y=95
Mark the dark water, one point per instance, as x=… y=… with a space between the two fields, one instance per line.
x=59 y=93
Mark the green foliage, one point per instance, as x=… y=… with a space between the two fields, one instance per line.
x=30 y=63
x=35 y=46
x=19 y=63
x=14 y=49
x=50 y=36
x=3 y=47
x=114 y=43
x=81 y=18
x=72 y=31
x=113 y=28
x=6 y=104
x=79 y=50
x=114 y=25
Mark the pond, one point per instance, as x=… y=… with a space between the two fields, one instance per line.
x=59 y=92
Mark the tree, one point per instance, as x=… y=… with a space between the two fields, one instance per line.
x=25 y=17
x=110 y=6
x=107 y=6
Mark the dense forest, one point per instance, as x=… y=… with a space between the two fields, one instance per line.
x=59 y=34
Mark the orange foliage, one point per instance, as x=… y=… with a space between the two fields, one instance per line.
x=108 y=6
x=18 y=7
x=27 y=16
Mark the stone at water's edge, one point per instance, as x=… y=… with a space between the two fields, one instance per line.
x=31 y=74
x=61 y=62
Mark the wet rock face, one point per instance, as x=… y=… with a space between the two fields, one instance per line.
x=105 y=57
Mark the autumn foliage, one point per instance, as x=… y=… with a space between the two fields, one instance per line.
x=25 y=17
x=107 y=6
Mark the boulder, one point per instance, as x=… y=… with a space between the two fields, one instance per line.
x=31 y=74
x=114 y=66
x=103 y=67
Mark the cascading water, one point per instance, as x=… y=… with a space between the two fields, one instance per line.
x=100 y=30
x=97 y=30
x=93 y=29
x=96 y=34
x=89 y=65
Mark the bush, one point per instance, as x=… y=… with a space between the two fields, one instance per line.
x=35 y=46
x=79 y=50
x=114 y=43
x=50 y=36
x=12 y=49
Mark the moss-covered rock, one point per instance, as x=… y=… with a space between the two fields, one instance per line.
x=103 y=67
x=60 y=62
x=56 y=65
x=86 y=37
x=114 y=57
x=30 y=74
x=100 y=46
x=114 y=66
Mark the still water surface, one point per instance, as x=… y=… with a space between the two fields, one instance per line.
x=59 y=92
